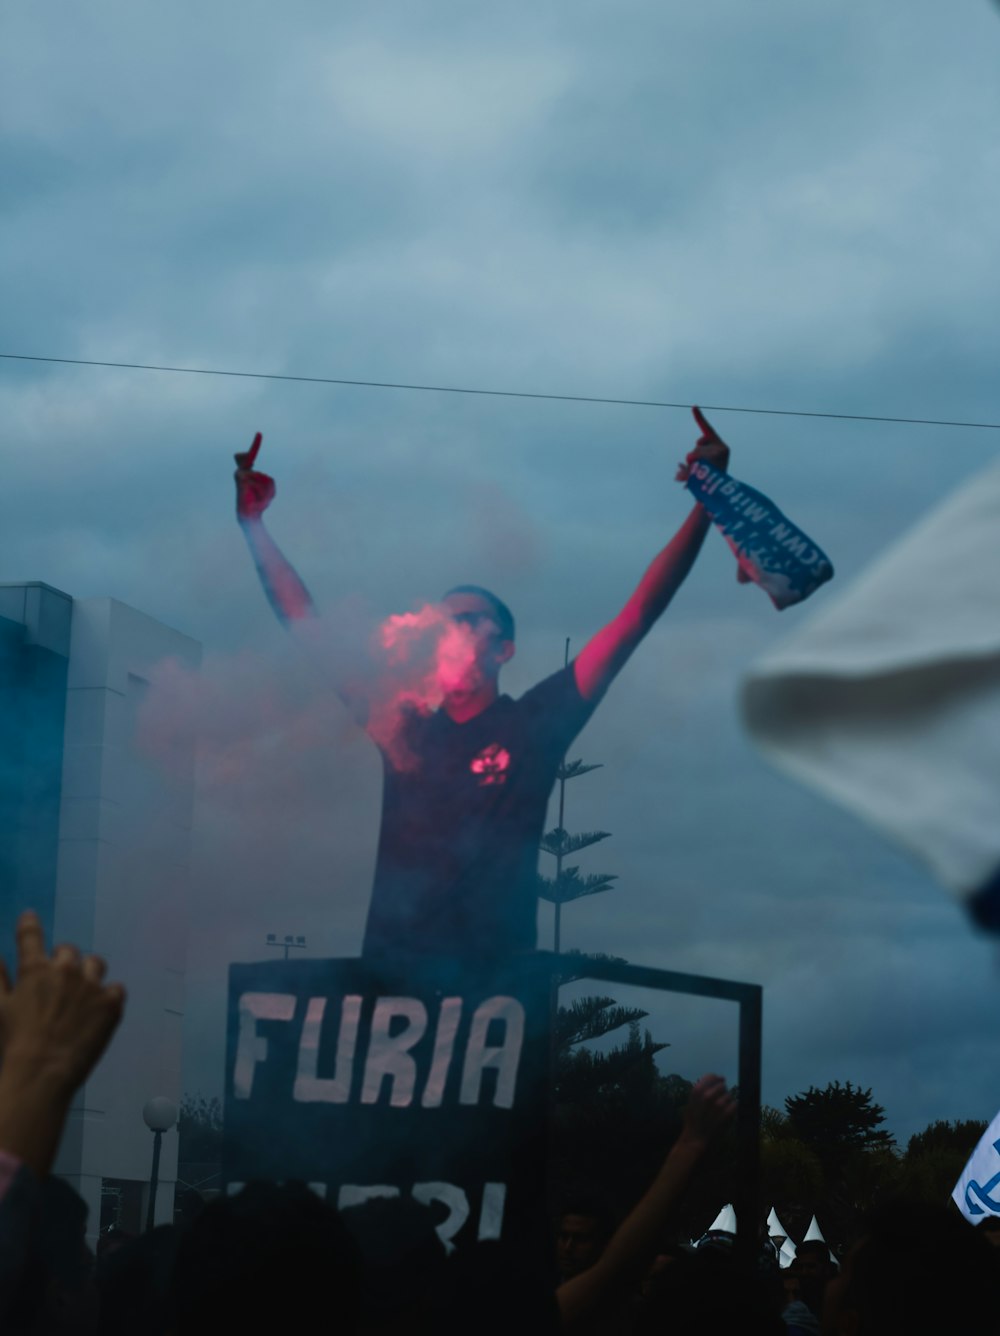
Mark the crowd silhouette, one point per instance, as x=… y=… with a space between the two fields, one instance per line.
x=275 y=1256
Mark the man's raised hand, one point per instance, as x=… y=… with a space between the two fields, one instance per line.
x=58 y=1016
x=710 y=447
x=254 y=491
x=709 y=1109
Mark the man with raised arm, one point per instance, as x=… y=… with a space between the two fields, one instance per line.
x=589 y=1298
x=467 y=785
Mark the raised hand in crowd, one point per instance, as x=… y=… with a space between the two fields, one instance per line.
x=591 y=1293
x=709 y=1109
x=56 y=1020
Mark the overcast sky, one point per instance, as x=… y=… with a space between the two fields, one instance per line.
x=788 y=206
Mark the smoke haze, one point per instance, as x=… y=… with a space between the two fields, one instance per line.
x=722 y=204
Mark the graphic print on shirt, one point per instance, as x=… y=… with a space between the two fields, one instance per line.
x=491 y=764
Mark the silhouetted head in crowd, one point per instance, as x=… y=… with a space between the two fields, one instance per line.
x=813 y=1257
x=812 y=1269
x=402 y=1263
x=111 y=1240
x=917 y=1268
x=190 y=1204
x=263 y=1261
x=496 y=1289
x=710 y=1291
x=666 y=1255
x=57 y=1292
x=583 y=1229
x=134 y=1282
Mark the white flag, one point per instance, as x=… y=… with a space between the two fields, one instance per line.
x=977 y=1192
x=888 y=699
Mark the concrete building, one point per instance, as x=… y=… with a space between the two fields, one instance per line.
x=95 y=835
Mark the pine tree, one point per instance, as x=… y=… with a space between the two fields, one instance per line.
x=569 y=883
x=611 y=1105
x=581 y=1072
x=837 y=1119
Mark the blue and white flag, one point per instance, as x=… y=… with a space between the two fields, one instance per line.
x=887 y=701
x=977 y=1192
x=770 y=549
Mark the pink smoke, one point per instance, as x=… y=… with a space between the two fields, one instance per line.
x=241 y=712
x=246 y=711
x=425 y=655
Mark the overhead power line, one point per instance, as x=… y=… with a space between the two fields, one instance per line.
x=500 y=394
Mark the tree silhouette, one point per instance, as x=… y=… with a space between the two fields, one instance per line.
x=587 y=1019
x=613 y=1114
x=836 y=1119
x=582 y=1073
x=199 y=1128
x=962 y=1137
x=590 y=1018
x=936 y=1157
x=199 y=1148
x=840 y=1126
x=791 y=1179
x=568 y=883
x=773 y=1124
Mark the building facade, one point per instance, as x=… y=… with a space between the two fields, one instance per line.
x=95 y=833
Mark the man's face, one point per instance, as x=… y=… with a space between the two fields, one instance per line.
x=480 y=649
x=812 y=1265
x=579 y=1243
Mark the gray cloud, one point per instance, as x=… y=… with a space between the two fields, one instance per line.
x=789 y=209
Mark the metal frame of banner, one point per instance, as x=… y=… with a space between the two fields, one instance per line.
x=749 y=998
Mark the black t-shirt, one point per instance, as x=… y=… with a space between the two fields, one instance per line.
x=458 y=849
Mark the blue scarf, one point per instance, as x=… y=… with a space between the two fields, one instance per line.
x=770 y=550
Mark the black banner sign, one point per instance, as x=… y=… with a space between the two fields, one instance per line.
x=378 y=1079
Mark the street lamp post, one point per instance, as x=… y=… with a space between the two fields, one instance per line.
x=290 y=943
x=159 y=1114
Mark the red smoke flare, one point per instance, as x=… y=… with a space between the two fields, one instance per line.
x=426 y=655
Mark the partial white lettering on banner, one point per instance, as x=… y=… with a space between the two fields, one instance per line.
x=388 y=1062
x=252 y=1047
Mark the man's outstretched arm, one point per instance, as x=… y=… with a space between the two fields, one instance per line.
x=603 y=657
x=255 y=491
x=589 y=1295
x=286 y=592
